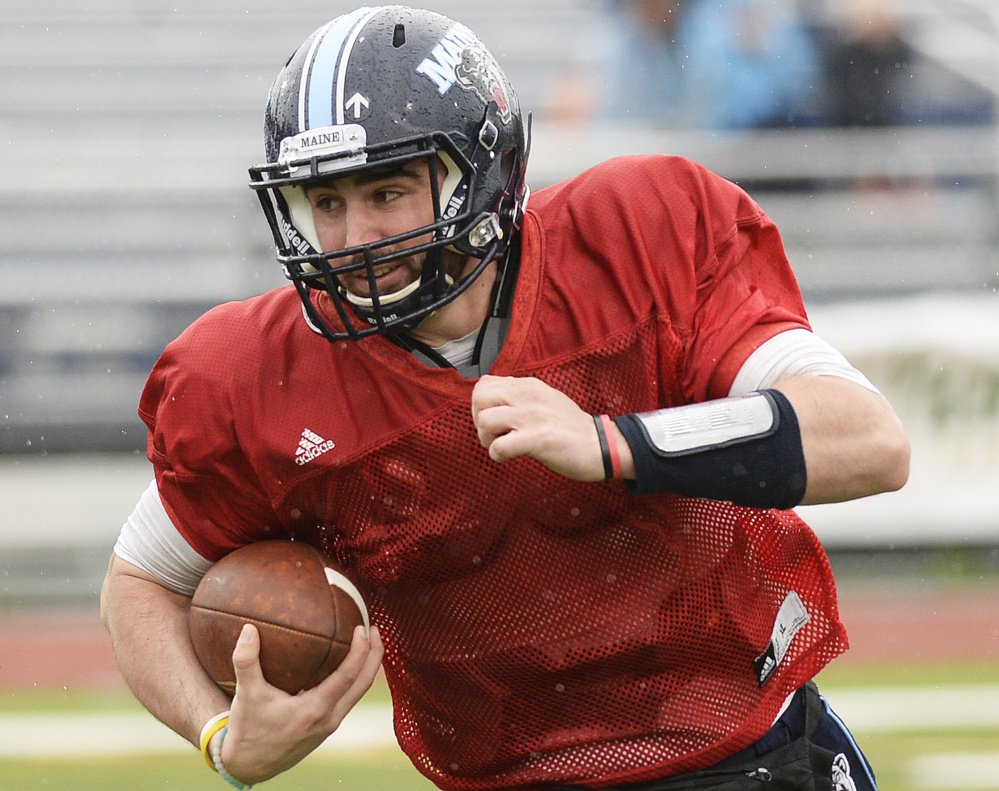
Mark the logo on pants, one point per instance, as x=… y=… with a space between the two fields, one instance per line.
x=841 y=779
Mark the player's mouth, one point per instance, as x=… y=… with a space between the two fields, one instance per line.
x=388 y=278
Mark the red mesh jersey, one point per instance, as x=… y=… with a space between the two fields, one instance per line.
x=538 y=630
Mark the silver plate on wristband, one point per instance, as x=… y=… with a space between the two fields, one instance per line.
x=710 y=424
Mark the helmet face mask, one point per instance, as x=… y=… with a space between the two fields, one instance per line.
x=422 y=89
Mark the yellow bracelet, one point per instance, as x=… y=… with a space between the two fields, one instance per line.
x=213 y=726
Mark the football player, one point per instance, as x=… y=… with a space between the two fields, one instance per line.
x=555 y=440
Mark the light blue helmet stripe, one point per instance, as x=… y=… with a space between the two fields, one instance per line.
x=330 y=50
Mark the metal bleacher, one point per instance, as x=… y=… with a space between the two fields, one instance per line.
x=125 y=134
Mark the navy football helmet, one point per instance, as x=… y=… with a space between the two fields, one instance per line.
x=378 y=88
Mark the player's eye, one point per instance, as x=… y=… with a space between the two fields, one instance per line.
x=325 y=202
x=387 y=195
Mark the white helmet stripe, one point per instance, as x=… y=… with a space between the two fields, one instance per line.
x=330 y=51
x=303 y=88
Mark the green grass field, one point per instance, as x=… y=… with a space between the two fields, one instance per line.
x=900 y=759
x=372 y=772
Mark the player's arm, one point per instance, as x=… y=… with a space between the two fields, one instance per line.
x=147 y=623
x=801 y=427
x=145 y=601
x=144 y=605
x=852 y=441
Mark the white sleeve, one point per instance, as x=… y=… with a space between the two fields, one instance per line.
x=149 y=540
x=795 y=352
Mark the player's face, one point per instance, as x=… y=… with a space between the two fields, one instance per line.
x=368 y=207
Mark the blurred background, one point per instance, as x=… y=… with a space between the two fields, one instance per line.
x=866 y=128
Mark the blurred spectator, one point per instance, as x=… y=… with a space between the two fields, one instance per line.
x=875 y=77
x=722 y=64
x=868 y=64
x=752 y=63
x=646 y=78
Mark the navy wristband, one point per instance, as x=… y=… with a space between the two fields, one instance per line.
x=761 y=469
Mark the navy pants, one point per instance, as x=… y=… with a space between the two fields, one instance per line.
x=851 y=769
x=785 y=747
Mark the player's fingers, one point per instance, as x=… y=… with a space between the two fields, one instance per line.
x=373 y=661
x=368 y=670
x=363 y=659
x=488 y=392
x=494 y=422
x=347 y=684
x=511 y=446
x=493 y=391
x=246 y=660
x=511 y=431
x=350 y=669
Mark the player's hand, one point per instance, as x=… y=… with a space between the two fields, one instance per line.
x=270 y=731
x=526 y=417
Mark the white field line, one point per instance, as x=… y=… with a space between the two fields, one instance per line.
x=900 y=709
x=967 y=771
x=370 y=727
x=71 y=735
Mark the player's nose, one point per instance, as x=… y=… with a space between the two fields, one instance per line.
x=361 y=226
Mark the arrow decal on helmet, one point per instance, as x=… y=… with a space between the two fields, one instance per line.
x=325 y=71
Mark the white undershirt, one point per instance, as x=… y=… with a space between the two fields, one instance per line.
x=793 y=353
x=150 y=541
x=459 y=352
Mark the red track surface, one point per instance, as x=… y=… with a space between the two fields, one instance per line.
x=69 y=649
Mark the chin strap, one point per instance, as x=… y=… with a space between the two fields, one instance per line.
x=493 y=331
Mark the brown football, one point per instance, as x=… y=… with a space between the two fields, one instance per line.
x=302 y=604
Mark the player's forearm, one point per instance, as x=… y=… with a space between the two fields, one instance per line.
x=149 y=634
x=853 y=442
x=807 y=440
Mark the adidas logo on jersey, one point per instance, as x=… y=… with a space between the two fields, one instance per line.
x=311 y=446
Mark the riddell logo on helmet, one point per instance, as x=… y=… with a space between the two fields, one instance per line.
x=295 y=238
x=445 y=57
x=453 y=207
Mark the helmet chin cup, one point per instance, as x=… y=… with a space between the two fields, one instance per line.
x=367 y=303
x=363 y=304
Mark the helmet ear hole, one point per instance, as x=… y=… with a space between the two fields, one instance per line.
x=507 y=163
